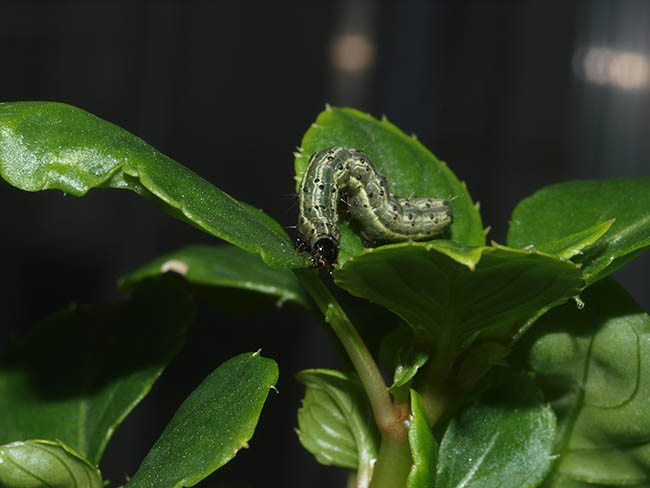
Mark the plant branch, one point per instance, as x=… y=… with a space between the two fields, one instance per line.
x=387 y=416
x=393 y=464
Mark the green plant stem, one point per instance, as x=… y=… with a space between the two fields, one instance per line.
x=434 y=391
x=393 y=464
x=387 y=416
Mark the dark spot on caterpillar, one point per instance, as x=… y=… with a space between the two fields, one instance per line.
x=407 y=204
x=340 y=166
x=330 y=158
x=381 y=193
x=367 y=168
x=394 y=208
x=410 y=216
x=435 y=221
x=365 y=205
x=321 y=186
x=445 y=203
x=431 y=216
x=428 y=205
x=371 y=195
x=316 y=180
x=333 y=190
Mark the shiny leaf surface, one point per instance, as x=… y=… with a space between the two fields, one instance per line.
x=505 y=440
x=563 y=209
x=45 y=464
x=214 y=422
x=47 y=145
x=592 y=365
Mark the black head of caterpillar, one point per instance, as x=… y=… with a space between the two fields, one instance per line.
x=338 y=172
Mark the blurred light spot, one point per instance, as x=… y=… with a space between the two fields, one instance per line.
x=352 y=52
x=624 y=69
x=176 y=266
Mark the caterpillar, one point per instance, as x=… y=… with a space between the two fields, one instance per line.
x=338 y=173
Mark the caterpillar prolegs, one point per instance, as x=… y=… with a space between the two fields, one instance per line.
x=342 y=173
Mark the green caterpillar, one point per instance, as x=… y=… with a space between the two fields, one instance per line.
x=342 y=173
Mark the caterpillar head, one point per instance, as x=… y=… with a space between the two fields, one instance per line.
x=324 y=252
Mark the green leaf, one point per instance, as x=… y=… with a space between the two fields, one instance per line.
x=592 y=365
x=336 y=423
x=46 y=145
x=404 y=356
x=78 y=374
x=220 y=267
x=410 y=168
x=449 y=293
x=423 y=447
x=45 y=464
x=560 y=210
x=571 y=245
x=211 y=426
x=504 y=440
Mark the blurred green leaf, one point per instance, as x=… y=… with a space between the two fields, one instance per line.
x=45 y=464
x=410 y=168
x=211 y=426
x=210 y=267
x=424 y=449
x=449 y=293
x=560 y=210
x=592 y=366
x=504 y=440
x=336 y=423
x=47 y=145
x=78 y=374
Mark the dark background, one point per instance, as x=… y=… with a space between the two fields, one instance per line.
x=513 y=95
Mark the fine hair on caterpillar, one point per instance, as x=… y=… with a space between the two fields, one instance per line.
x=339 y=173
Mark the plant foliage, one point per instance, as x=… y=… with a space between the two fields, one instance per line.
x=498 y=378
